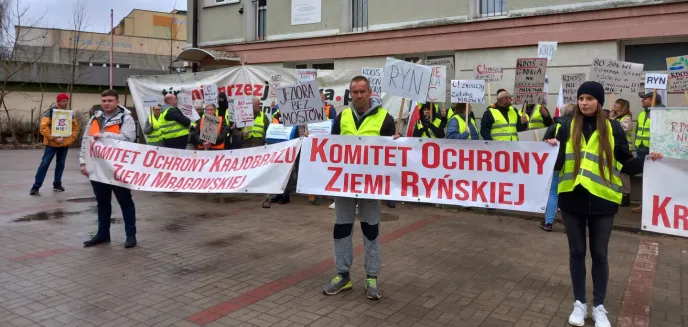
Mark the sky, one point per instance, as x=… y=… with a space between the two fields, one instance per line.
x=59 y=13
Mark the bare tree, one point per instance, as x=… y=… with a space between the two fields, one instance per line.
x=78 y=46
x=20 y=51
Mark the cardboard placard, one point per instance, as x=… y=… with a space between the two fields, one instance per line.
x=374 y=75
x=678 y=73
x=209 y=128
x=616 y=76
x=529 y=86
x=570 y=84
x=300 y=104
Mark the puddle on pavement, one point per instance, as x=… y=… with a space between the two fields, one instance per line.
x=177 y=224
x=114 y=220
x=53 y=215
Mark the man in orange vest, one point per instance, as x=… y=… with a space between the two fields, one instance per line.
x=112 y=122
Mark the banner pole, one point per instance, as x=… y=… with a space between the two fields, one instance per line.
x=654 y=97
x=401 y=111
x=685 y=93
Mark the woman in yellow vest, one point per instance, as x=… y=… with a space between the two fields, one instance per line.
x=621 y=112
x=222 y=130
x=431 y=124
x=152 y=128
x=590 y=159
x=461 y=127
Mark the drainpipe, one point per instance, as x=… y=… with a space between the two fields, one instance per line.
x=194 y=36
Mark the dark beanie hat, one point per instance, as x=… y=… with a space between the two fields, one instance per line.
x=595 y=89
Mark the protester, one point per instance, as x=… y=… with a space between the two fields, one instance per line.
x=621 y=112
x=458 y=129
x=365 y=117
x=297 y=131
x=550 y=133
x=501 y=121
x=642 y=132
x=222 y=106
x=538 y=116
x=331 y=114
x=152 y=128
x=431 y=123
x=112 y=122
x=255 y=135
x=590 y=157
x=222 y=130
x=54 y=146
x=174 y=125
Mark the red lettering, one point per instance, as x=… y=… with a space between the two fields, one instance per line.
x=330 y=185
x=461 y=186
x=376 y=156
x=540 y=161
x=292 y=158
x=318 y=149
x=248 y=90
x=659 y=210
x=521 y=195
x=478 y=190
x=389 y=155
x=352 y=154
x=238 y=89
x=196 y=94
x=435 y=156
x=501 y=161
x=404 y=155
x=335 y=153
x=258 y=90
x=230 y=89
x=355 y=182
x=680 y=215
x=521 y=160
x=484 y=158
x=256 y=162
x=372 y=186
x=221 y=89
x=409 y=179
x=503 y=193
x=448 y=163
x=466 y=157
x=118 y=172
x=279 y=156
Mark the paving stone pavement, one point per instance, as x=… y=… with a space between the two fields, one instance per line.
x=222 y=260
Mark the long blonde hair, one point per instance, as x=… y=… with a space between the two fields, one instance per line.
x=605 y=149
x=625 y=108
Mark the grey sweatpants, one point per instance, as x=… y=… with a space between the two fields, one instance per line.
x=369 y=213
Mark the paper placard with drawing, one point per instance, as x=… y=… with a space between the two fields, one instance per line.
x=61 y=123
x=209 y=130
x=678 y=73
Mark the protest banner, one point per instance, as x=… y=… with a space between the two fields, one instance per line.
x=546 y=50
x=570 y=84
x=209 y=130
x=448 y=63
x=300 y=104
x=529 y=85
x=61 y=124
x=406 y=80
x=210 y=94
x=437 y=91
x=264 y=169
x=678 y=74
x=374 y=75
x=665 y=201
x=468 y=91
x=616 y=76
x=532 y=134
x=306 y=75
x=669 y=132
x=242 y=111
x=513 y=176
x=656 y=81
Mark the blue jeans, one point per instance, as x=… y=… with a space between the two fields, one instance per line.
x=551 y=210
x=48 y=155
x=103 y=193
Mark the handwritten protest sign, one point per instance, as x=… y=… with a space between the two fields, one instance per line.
x=529 y=86
x=468 y=91
x=437 y=91
x=406 y=80
x=275 y=82
x=62 y=123
x=242 y=111
x=321 y=128
x=546 y=50
x=447 y=62
x=209 y=129
x=669 y=132
x=185 y=103
x=488 y=74
x=374 y=75
x=300 y=104
x=210 y=94
x=616 y=76
x=570 y=84
x=678 y=73
x=306 y=75
x=656 y=81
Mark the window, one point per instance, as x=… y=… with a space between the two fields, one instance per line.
x=301 y=66
x=653 y=56
x=261 y=19
x=210 y=3
x=491 y=8
x=359 y=15
x=324 y=66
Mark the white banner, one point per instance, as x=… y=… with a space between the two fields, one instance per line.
x=264 y=169
x=503 y=175
x=253 y=81
x=665 y=201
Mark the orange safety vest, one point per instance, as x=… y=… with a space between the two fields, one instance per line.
x=327 y=110
x=220 y=146
x=95 y=128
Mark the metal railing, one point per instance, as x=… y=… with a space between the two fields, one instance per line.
x=261 y=19
x=359 y=15
x=491 y=8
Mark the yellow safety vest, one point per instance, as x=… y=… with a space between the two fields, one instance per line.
x=171 y=129
x=503 y=130
x=642 y=133
x=462 y=125
x=589 y=175
x=556 y=130
x=258 y=128
x=369 y=127
x=536 y=121
x=629 y=132
x=437 y=122
x=156 y=135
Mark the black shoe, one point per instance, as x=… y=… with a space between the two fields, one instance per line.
x=284 y=200
x=34 y=191
x=96 y=240
x=545 y=226
x=626 y=200
x=58 y=188
x=276 y=198
x=130 y=242
x=391 y=204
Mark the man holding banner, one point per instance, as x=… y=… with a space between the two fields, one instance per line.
x=501 y=121
x=365 y=117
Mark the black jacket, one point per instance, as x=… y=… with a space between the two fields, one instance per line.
x=425 y=125
x=551 y=131
x=488 y=120
x=580 y=201
x=174 y=114
x=388 y=127
x=195 y=133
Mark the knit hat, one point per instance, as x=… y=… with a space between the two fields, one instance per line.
x=62 y=96
x=595 y=89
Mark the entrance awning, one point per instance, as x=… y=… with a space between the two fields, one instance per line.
x=208 y=57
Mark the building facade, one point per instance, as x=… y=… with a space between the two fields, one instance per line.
x=351 y=34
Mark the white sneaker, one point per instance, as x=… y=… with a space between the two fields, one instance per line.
x=580 y=311
x=599 y=316
x=332 y=205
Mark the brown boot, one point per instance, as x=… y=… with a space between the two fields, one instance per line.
x=638 y=209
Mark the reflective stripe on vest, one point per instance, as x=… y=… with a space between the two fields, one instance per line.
x=156 y=134
x=642 y=132
x=370 y=126
x=258 y=128
x=536 y=121
x=219 y=129
x=556 y=130
x=171 y=129
x=503 y=130
x=589 y=175
x=462 y=125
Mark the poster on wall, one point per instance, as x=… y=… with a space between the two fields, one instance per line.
x=306 y=12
